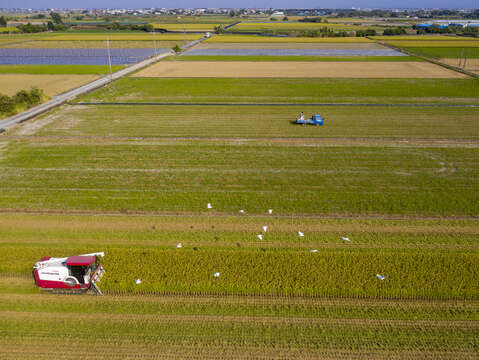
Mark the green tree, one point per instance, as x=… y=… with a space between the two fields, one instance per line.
x=6 y=104
x=3 y=21
x=57 y=19
x=176 y=49
x=219 y=29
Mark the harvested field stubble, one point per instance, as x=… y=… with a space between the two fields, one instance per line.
x=51 y=84
x=147 y=177
x=265 y=122
x=471 y=64
x=298 y=70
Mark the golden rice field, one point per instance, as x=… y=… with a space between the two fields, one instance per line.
x=51 y=84
x=284 y=25
x=120 y=37
x=337 y=69
x=187 y=27
x=8 y=29
x=271 y=39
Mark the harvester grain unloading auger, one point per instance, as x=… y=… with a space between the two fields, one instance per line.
x=74 y=274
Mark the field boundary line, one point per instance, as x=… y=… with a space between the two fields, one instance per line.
x=272 y=104
x=432 y=61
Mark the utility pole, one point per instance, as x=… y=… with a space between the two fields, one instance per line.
x=109 y=57
x=465 y=58
x=460 y=58
x=154 y=42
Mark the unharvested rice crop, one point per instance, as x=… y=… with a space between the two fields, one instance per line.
x=274 y=39
x=298 y=70
x=187 y=27
x=51 y=84
x=285 y=25
x=120 y=36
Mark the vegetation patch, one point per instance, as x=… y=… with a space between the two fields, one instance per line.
x=258 y=90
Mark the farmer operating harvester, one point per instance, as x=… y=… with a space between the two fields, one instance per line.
x=74 y=274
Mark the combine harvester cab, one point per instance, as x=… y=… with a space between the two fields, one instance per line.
x=315 y=120
x=74 y=274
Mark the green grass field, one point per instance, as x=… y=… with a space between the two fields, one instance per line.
x=57 y=69
x=230 y=90
x=446 y=52
x=290 y=58
x=427 y=38
x=436 y=44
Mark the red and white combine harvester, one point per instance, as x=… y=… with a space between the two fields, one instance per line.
x=74 y=274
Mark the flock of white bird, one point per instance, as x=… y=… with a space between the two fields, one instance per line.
x=260 y=236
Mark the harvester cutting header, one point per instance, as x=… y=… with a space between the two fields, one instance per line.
x=70 y=274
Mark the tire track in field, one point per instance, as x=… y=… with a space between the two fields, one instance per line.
x=280 y=320
x=282 y=141
x=210 y=214
x=129 y=298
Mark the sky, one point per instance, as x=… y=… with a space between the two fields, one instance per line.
x=239 y=3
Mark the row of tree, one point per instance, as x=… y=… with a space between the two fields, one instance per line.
x=133 y=27
x=21 y=100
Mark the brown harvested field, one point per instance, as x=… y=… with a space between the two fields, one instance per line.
x=278 y=69
x=359 y=46
x=471 y=64
x=51 y=84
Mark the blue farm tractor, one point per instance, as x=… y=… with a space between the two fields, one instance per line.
x=315 y=120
